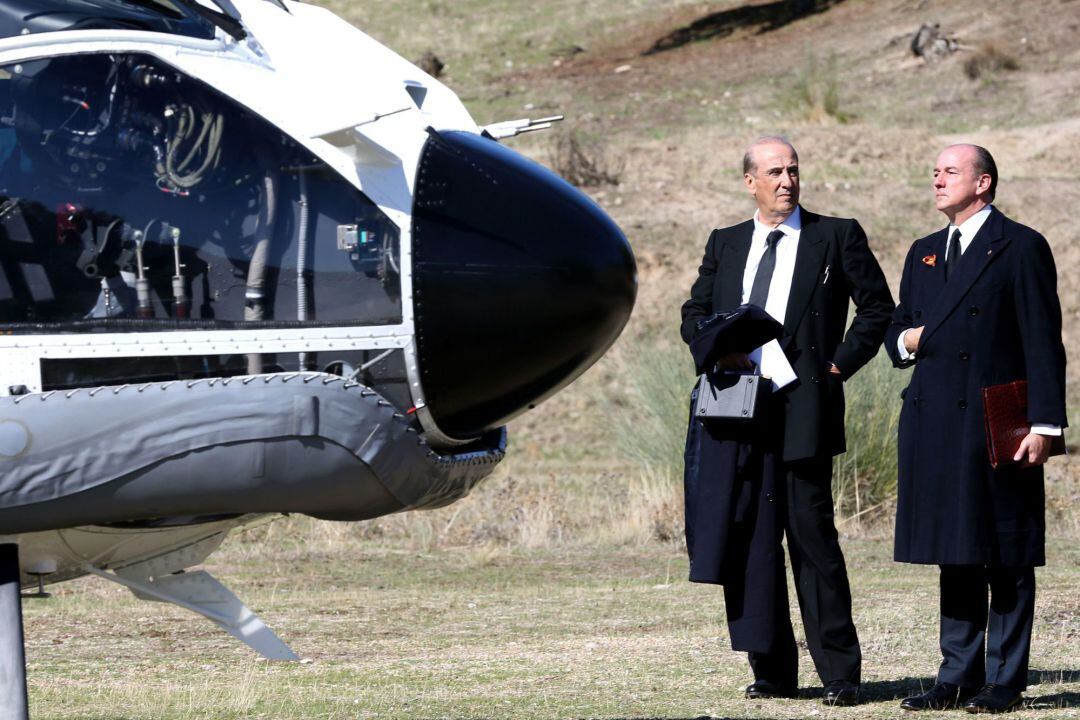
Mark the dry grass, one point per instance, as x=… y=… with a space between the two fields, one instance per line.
x=486 y=632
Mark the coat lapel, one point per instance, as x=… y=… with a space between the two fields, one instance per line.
x=983 y=250
x=808 y=260
x=733 y=263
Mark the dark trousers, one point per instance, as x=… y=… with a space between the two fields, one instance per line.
x=986 y=640
x=821 y=584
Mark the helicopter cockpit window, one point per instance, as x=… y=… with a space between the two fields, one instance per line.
x=134 y=197
x=18 y=17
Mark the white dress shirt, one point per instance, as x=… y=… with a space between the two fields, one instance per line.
x=770 y=358
x=783 y=272
x=968 y=230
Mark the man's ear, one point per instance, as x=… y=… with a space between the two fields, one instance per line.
x=982 y=185
x=748 y=181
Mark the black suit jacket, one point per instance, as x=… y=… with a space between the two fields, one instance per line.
x=997 y=319
x=833 y=265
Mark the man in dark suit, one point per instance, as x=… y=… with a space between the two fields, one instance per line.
x=803 y=269
x=978 y=307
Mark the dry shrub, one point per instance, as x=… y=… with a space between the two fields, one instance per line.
x=584 y=162
x=989 y=59
x=816 y=93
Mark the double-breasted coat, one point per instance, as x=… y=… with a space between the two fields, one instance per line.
x=996 y=320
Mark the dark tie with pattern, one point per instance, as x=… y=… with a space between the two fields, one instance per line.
x=759 y=291
x=952 y=254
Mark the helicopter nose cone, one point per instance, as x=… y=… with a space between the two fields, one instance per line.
x=520 y=282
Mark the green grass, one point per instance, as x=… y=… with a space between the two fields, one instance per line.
x=482 y=633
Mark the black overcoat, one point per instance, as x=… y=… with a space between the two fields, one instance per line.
x=833 y=266
x=997 y=320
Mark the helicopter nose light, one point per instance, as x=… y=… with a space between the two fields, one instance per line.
x=521 y=282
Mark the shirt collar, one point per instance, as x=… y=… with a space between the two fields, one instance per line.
x=970 y=227
x=791 y=227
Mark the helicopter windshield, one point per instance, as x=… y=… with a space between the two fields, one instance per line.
x=135 y=198
x=18 y=17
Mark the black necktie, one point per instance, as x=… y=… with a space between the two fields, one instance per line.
x=952 y=254
x=759 y=291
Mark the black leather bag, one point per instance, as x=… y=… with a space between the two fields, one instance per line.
x=730 y=396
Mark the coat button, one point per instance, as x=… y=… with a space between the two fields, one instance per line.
x=918 y=313
x=769 y=497
x=814 y=380
x=973 y=311
x=813 y=348
x=964 y=355
x=962 y=404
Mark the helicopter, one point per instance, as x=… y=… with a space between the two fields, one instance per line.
x=252 y=263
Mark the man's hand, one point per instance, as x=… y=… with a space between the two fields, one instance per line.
x=833 y=370
x=735 y=361
x=911 y=339
x=1034 y=450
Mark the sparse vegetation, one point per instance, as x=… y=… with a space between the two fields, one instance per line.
x=585 y=162
x=989 y=59
x=864 y=478
x=816 y=91
x=483 y=632
x=651 y=427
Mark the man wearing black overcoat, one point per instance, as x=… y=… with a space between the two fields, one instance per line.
x=978 y=307
x=747 y=488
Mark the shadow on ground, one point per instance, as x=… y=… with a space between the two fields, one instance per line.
x=768 y=17
x=1051 y=677
x=1042 y=677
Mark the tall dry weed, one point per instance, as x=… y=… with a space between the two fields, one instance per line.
x=864 y=478
x=651 y=428
x=815 y=93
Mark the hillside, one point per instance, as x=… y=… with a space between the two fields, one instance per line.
x=670 y=93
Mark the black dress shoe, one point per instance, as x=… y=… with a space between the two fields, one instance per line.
x=995 y=699
x=942 y=696
x=765 y=689
x=841 y=693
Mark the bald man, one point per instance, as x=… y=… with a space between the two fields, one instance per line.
x=978 y=307
x=749 y=487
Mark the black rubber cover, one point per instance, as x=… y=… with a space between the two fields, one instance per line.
x=521 y=282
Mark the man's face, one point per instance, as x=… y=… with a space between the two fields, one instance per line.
x=774 y=182
x=957 y=185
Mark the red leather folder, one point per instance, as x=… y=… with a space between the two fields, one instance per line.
x=1007 y=423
